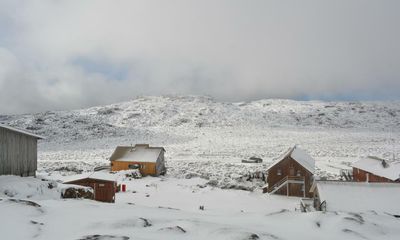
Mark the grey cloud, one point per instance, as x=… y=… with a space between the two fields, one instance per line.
x=233 y=50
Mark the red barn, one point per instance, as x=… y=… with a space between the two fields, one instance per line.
x=292 y=174
x=374 y=169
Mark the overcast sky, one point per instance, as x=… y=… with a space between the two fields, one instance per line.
x=63 y=54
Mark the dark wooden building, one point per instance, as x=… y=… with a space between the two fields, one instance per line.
x=292 y=174
x=18 y=152
x=104 y=187
x=374 y=169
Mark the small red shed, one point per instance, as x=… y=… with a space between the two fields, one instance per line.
x=104 y=185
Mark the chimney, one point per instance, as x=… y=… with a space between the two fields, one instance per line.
x=384 y=164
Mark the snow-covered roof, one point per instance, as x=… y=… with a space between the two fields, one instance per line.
x=376 y=166
x=300 y=156
x=93 y=175
x=359 y=196
x=21 y=131
x=137 y=153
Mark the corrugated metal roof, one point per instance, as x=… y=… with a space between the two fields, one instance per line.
x=137 y=153
x=21 y=131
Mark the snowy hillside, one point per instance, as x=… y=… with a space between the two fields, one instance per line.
x=196 y=112
x=207 y=138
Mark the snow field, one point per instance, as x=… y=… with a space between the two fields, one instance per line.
x=167 y=208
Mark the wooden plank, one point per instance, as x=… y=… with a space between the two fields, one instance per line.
x=18 y=153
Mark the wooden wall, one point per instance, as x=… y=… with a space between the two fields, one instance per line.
x=285 y=167
x=18 y=153
x=361 y=176
x=146 y=168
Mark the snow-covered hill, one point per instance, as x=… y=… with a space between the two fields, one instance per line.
x=193 y=112
x=207 y=138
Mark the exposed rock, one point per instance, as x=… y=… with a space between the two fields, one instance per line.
x=103 y=237
x=77 y=192
x=176 y=229
x=253 y=237
x=37 y=223
x=146 y=222
x=26 y=202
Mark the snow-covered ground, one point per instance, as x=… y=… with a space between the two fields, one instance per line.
x=168 y=208
x=205 y=142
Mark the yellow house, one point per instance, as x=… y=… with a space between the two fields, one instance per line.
x=149 y=160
